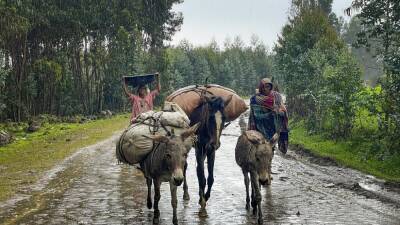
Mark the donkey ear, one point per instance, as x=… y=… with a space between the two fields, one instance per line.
x=190 y=131
x=158 y=138
x=253 y=139
x=274 y=139
x=228 y=100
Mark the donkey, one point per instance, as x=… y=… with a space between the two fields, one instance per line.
x=165 y=164
x=210 y=115
x=253 y=153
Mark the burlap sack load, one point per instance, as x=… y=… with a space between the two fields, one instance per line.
x=133 y=145
x=188 y=98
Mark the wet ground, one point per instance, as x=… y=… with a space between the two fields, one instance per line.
x=91 y=188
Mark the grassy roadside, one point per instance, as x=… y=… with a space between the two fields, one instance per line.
x=22 y=162
x=350 y=153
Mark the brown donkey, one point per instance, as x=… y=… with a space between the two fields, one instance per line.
x=254 y=154
x=166 y=164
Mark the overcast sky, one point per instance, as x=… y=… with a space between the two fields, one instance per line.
x=219 y=19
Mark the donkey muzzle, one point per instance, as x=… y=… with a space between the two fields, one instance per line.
x=265 y=179
x=177 y=177
x=264 y=182
x=178 y=182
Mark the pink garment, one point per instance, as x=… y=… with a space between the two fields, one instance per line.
x=141 y=105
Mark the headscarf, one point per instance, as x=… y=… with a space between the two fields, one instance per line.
x=263 y=83
x=267 y=101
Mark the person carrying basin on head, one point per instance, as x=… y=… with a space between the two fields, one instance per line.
x=267 y=111
x=143 y=100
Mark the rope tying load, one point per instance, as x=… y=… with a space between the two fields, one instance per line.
x=134 y=145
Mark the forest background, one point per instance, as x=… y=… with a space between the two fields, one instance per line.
x=341 y=79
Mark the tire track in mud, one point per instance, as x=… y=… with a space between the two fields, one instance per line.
x=94 y=189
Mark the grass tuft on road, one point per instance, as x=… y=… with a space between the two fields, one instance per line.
x=356 y=154
x=23 y=162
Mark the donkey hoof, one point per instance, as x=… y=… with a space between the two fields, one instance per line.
x=247 y=206
x=175 y=221
x=254 y=211
x=260 y=220
x=186 y=197
x=156 y=220
x=149 y=204
x=202 y=203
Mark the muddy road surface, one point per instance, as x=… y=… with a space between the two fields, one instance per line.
x=91 y=188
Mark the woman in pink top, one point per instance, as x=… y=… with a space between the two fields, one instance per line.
x=142 y=102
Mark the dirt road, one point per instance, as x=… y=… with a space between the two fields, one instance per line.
x=91 y=188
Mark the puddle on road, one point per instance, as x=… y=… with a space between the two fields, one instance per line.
x=370 y=187
x=95 y=190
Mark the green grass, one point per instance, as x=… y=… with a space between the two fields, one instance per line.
x=24 y=161
x=357 y=154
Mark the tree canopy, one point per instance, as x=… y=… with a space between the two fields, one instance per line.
x=67 y=57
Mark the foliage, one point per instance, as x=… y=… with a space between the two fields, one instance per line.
x=366 y=56
x=67 y=57
x=343 y=79
x=4 y=72
x=321 y=77
x=292 y=50
x=237 y=66
x=380 y=20
x=360 y=154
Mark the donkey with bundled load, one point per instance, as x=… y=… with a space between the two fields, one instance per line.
x=211 y=106
x=159 y=142
x=254 y=155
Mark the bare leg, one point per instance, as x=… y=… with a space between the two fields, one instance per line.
x=200 y=176
x=210 y=168
x=185 y=186
x=174 y=202
x=246 y=183
x=157 y=196
x=149 y=182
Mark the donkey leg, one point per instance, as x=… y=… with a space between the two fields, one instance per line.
x=253 y=194
x=157 y=196
x=246 y=183
x=174 y=202
x=200 y=176
x=260 y=215
x=149 y=183
x=185 y=186
x=257 y=195
x=210 y=168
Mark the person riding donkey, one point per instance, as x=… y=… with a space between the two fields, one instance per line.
x=268 y=115
x=143 y=101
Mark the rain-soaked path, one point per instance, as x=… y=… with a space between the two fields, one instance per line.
x=91 y=188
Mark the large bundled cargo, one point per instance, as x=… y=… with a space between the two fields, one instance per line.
x=133 y=145
x=188 y=98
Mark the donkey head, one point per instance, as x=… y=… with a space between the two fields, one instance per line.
x=175 y=152
x=213 y=120
x=261 y=158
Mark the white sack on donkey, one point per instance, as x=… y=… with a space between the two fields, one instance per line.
x=133 y=145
